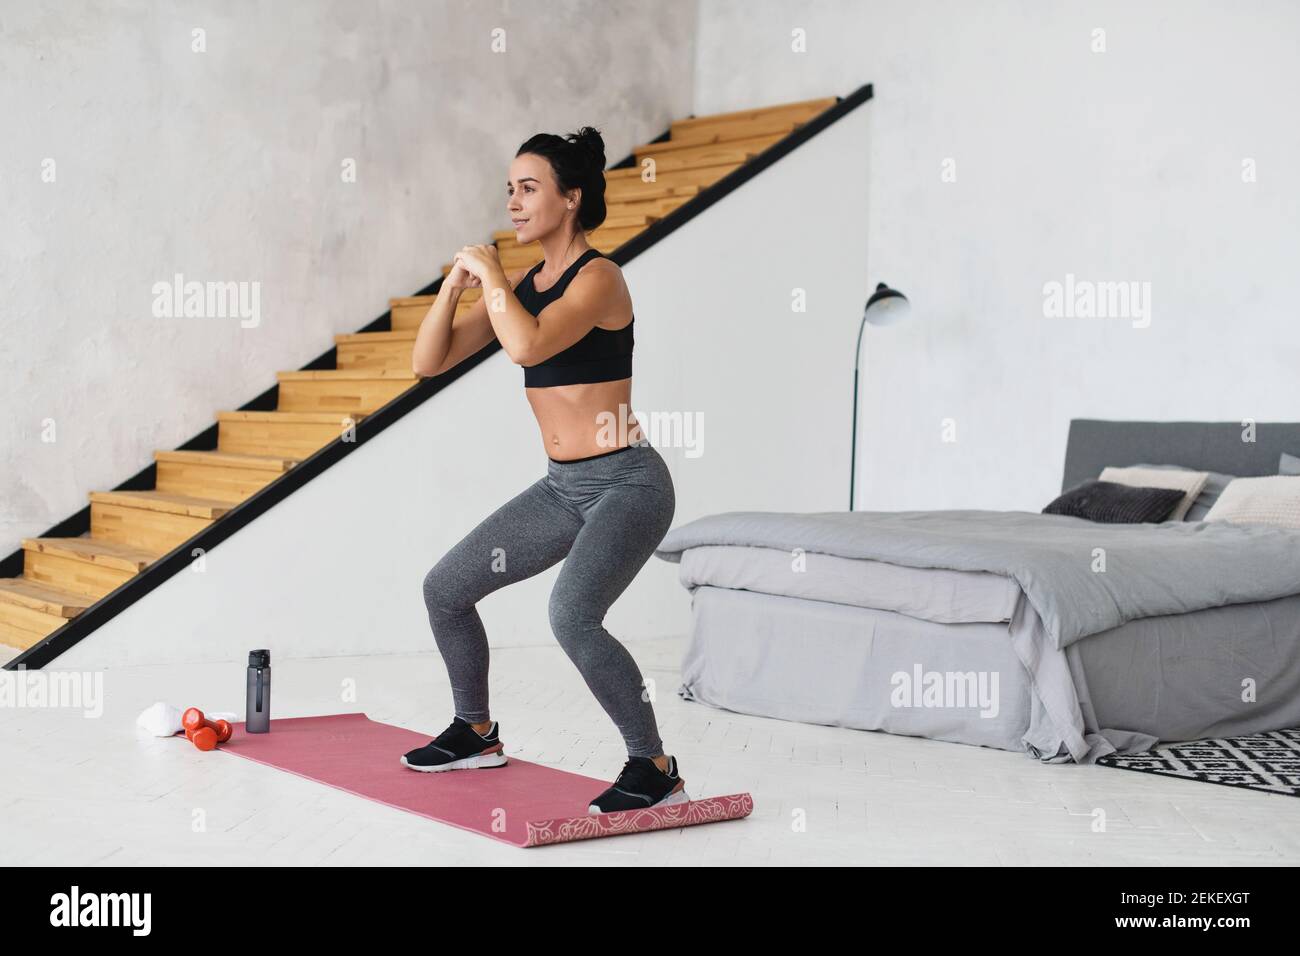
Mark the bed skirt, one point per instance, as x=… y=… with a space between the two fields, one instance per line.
x=1215 y=672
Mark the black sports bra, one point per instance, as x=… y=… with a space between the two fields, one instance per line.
x=602 y=355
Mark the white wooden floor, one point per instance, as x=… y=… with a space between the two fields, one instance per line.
x=88 y=791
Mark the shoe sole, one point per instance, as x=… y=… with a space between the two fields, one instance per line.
x=679 y=797
x=478 y=761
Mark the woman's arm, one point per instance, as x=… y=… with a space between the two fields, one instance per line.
x=529 y=339
x=434 y=338
x=450 y=339
x=515 y=327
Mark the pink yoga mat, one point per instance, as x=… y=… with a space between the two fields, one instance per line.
x=522 y=803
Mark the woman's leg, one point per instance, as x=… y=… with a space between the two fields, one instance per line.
x=524 y=537
x=620 y=534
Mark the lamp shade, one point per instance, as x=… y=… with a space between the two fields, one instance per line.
x=886 y=306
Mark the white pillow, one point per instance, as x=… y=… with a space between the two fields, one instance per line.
x=1270 y=500
x=1188 y=482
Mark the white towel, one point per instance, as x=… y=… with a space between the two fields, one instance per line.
x=164 y=720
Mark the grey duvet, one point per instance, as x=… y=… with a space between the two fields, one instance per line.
x=1081 y=577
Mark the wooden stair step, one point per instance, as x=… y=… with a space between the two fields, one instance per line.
x=42 y=597
x=293 y=434
x=802 y=108
x=666 y=185
x=86 y=565
x=699 y=154
x=287 y=418
x=376 y=350
x=157 y=520
x=21 y=628
x=355 y=338
x=344 y=375
x=626 y=190
x=721 y=132
x=164 y=503
x=109 y=554
x=227 y=476
x=700 y=157
x=31 y=610
x=345 y=389
x=225 y=459
x=659 y=207
x=632 y=219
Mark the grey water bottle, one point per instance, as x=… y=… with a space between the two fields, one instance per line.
x=258 y=714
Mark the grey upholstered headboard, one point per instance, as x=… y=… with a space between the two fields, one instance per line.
x=1208 y=446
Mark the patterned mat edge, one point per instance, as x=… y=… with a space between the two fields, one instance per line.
x=706 y=810
x=1173 y=761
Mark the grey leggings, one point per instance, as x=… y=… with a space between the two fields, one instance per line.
x=607 y=513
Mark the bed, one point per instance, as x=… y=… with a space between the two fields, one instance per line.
x=1048 y=634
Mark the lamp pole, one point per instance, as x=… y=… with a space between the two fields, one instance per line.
x=885 y=307
x=853 y=445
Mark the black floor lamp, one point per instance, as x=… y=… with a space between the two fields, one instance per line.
x=885 y=307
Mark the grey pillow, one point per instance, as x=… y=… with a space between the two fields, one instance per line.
x=1214 y=486
x=1288 y=465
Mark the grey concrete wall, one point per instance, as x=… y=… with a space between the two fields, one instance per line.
x=212 y=140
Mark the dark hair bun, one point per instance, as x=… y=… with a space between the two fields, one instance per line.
x=592 y=144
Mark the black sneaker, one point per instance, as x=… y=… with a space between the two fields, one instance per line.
x=642 y=784
x=459 y=747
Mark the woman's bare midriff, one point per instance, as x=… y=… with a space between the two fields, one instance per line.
x=578 y=421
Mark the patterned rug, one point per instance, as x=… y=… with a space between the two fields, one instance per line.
x=1269 y=762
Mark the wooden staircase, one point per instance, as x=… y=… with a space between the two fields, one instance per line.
x=131 y=529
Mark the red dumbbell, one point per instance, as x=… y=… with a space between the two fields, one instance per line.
x=193 y=719
x=204 y=733
x=191 y=731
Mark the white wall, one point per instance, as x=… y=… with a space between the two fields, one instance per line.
x=226 y=166
x=1124 y=165
x=337 y=568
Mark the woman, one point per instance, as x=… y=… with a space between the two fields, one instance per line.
x=568 y=322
